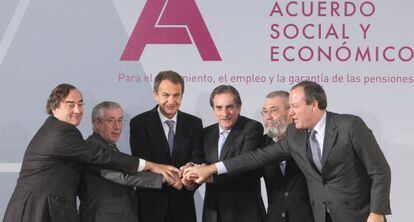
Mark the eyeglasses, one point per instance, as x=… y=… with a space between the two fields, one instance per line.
x=272 y=111
x=113 y=121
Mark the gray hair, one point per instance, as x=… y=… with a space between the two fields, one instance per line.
x=98 y=110
x=281 y=94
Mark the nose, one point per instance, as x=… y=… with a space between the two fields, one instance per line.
x=226 y=112
x=117 y=125
x=76 y=109
x=267 y=116
x=170 y=100
x=291 y=112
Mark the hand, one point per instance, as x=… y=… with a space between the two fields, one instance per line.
x=170 y=173
x=189 y=184
x=177 y=185
x=200 y=173
x=374 y=217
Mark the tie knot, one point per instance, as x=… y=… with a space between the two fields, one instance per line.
x=170 y=123
x=313 y=133
x=224 y=133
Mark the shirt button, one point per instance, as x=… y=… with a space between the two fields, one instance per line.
x=283 y=215
x=286 y=194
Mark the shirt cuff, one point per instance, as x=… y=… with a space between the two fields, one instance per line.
x=141 y=165
x=221 y=169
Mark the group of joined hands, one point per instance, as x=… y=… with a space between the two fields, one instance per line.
x=187 y=176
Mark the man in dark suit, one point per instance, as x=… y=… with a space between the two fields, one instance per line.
x=231 y=198
x=168 y=136
x=347 y=174
x=286 y=188
x=105 y=195
x=52 y=165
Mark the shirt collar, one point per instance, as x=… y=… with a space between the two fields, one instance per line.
x=164 y=118
x=221 y=130
x=320 y=126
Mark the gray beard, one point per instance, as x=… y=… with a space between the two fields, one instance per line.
x=272 y=132
x=277 y=130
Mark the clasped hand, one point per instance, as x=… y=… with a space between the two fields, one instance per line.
x=187 y=176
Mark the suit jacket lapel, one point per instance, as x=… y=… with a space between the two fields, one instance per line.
x=301 y=138
x=159 y=130
x=330 y=137
x=211 y=142
x=179 y=135
x=233 y=135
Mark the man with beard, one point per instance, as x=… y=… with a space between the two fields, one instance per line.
x=286 y=188
x=347 y=174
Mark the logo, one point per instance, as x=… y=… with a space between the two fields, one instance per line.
x=170 y=22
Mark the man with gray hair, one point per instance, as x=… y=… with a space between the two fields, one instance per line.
x=103 y=196
x=286 y=188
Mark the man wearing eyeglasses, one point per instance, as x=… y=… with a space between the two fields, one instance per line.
x=103 y=196
x=54 y=160
x=286 y=188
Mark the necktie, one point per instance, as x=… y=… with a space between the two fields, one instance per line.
x=222 y=139
x=170 y=124
x=315 y=149
x=113 y=146
x=282 y=165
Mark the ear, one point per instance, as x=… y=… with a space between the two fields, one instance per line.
x=95 y=124
x=315 y=104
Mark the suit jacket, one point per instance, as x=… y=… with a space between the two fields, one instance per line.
x=233 y=198
x=104 y=199
x=355 y=178
x=148 y=141
x=51 y=170
x=287 y=193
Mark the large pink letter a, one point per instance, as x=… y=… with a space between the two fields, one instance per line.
x=166 y=31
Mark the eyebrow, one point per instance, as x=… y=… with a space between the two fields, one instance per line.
x=80 y=101
x=272 y=107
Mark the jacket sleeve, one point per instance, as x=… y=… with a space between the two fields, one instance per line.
x=141 y=179
x=376 y=165
x=70 y=145
x=251 y=141
x=258 y=158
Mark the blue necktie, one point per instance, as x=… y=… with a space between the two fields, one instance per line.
x=170 y=124
x=315 y=149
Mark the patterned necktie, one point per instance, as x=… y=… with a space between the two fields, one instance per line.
x=170 y=124
x=113 y=146
x=315 y=149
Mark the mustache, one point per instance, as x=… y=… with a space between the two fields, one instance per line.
x=226 y=118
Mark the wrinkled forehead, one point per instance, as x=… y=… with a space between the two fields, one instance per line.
x=297 y=95
x=74 y=96
x=275 y=102
x=113 y=113
x=224 y=99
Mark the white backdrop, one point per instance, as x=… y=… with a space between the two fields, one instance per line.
x=47 y=42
